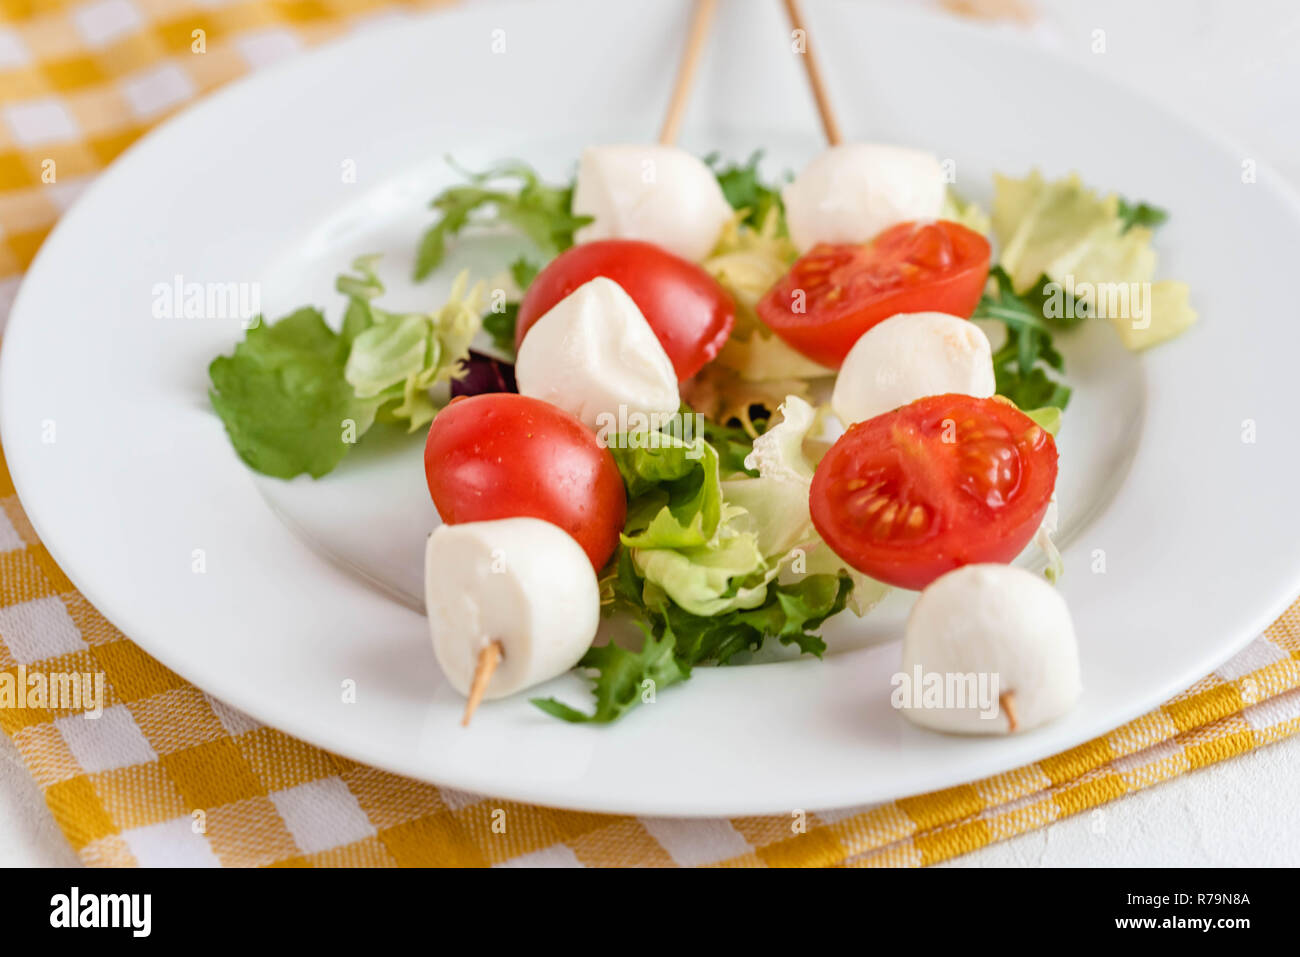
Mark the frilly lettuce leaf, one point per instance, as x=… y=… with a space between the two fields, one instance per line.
x=748 y=262
x=674 y=492
x=1043 y=538
x=763 y=356
x=1047 y=418
x=415 y=351
x=762 y=573
x=957 y=209
x=776 y=503
x=721 y=395
x=706 y=580
x=1065 y=231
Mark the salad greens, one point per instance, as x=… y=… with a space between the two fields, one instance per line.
x=284 y=399
x=412 y=352
x=1021 y=364
x=676 y=640
x=701 y=558
x=510 y=193
x=1098 y=248
x=1140 y=214
x=718 y=552
x=500 y=324
x=746 y=192
x=295 y=395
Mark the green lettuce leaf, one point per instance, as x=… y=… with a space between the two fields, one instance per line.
x=1047 y=418
x=775 y=508
x=284 y=400
x=673 y=487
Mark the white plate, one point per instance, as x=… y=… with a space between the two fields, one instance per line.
x=1200 y=534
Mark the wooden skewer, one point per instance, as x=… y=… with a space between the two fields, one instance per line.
x=1008 y=702
x=488 y=659
x=829 y=123
x=700 y=21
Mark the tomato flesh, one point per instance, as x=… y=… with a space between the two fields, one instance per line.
x=946 y=481
x=502 y=455
x=837 y=291
x=690 y=313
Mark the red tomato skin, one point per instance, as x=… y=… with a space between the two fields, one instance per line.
x=965 y=530
x=690 y=313
x=502 y=455
x=947 y=274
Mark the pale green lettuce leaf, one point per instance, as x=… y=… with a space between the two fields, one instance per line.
x=1069 y=233
x=957 y=209
x=674 y=491
x=416 y=351
x=776 y=507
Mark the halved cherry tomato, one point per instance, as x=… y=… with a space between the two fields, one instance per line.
x=837 y=291
x=502 y=455
x=947 y=481
x=690 y=313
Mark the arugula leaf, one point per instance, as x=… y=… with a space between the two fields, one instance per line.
x=676 y=641
x=1016 y=365
x=744 y=190
x=1140 y=214
x=622 y=678
x=284 y=400
x=542 y=212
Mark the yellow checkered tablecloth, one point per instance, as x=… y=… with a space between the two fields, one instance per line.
x=169 y=775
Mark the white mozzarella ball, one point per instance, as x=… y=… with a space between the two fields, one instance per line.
x=850 y=193
x=910 y=356
x=657 y=193
x=522 y=582
x=1000 y=622
x=595 y=355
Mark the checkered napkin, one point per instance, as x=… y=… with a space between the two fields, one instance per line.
x=168 y=775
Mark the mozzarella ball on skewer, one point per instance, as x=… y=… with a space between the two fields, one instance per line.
x=520 y=582
x=658 y=193
x=1001 y=622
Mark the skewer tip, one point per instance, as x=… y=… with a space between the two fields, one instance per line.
x=1008 y=702
x=488 y=658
